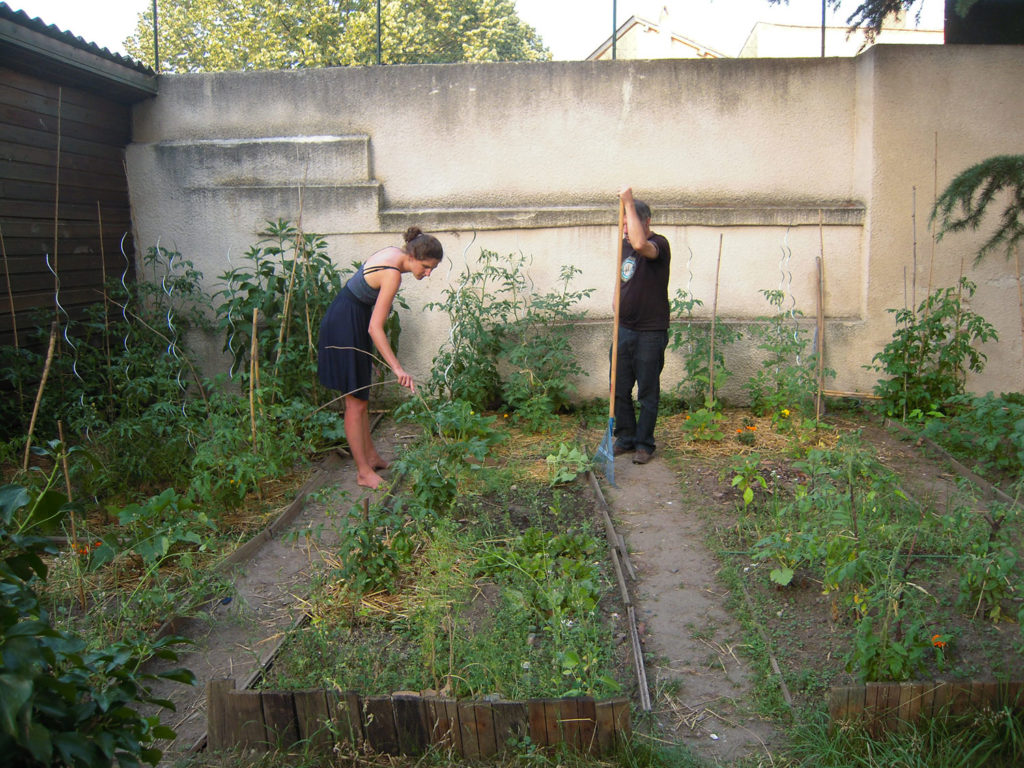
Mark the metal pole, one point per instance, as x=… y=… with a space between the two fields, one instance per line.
x=156 y=43
x=615 y=28
x=823 y=28
x=378 y=33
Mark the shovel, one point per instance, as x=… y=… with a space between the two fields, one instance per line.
x=605 y=458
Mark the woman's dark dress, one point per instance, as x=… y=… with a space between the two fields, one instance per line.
x=345 y=347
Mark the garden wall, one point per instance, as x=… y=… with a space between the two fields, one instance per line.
x=783 y=159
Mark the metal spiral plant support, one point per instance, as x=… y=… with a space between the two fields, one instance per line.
x=67 y=322
x=124 y=307
x=786 y=287
x=689 y=292
x=231 y=317
x=172 y=346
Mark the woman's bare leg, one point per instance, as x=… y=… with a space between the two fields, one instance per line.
x=375 y=459
x=357 y=430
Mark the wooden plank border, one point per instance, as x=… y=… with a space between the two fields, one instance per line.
x=885 y=707
x=406 y=723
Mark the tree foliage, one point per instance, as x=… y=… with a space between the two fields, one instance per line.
x=225 y=35
x=964 y=202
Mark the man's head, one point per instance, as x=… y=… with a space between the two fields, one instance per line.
x=643 y=212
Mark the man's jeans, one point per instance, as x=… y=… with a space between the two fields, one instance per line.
x=641 y=356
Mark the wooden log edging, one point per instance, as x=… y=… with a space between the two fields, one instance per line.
x=885 y=707
x=406 y=724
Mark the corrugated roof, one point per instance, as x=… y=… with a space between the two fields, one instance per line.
x=53 y=31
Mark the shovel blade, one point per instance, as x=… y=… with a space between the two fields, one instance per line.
x=605 y=457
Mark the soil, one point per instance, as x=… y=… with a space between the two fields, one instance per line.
x=699 y=678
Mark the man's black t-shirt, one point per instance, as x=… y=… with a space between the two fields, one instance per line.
x=643 y=298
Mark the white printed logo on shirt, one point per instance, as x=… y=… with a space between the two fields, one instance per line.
x=628 y=268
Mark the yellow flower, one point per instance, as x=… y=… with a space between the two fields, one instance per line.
x=785 y=413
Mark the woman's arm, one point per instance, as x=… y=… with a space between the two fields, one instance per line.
x=390 y=280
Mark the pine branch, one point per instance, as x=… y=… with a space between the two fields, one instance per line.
x=965 y=201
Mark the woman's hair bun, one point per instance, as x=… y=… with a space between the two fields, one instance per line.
x=412 y=233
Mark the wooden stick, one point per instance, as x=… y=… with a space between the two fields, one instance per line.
x=14 y=316
x=39 y=394
x=1020 y=298
x=10 y=295
x=615 y=313
x=106 y=299
x=840 y=393
x=252 y=377
x=821 y=317
x=714 y=318
x=935 y=199
x=56 y=192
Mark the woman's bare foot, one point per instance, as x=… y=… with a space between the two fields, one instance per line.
x=370 y=480
x=378 y=463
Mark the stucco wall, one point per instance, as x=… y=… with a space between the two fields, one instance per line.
x=783 y=160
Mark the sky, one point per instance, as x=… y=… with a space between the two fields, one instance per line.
x=571 y=29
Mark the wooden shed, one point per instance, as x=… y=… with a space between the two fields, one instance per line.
x=65 y=120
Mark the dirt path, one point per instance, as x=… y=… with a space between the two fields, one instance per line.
x=698 y=678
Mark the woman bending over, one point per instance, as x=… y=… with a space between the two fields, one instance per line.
x=354 y=324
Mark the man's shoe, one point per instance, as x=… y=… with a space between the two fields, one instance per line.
x=642 y=456
x=618 y=450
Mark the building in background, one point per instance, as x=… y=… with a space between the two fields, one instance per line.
x=639 y=38
x=767 y=41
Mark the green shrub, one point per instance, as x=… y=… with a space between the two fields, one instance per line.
x=65 y=703
x=932 y=350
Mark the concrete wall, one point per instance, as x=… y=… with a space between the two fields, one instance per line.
x=782 y=160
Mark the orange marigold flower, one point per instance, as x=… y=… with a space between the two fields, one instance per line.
x=938 y=642
x=752 y=428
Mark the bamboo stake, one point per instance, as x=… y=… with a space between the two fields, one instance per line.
x=252 y=378
x=913 y=220
x=14 y=316
x=821 y=337
x=1020 y=301
x=714 y=316
x=67 y=481
x=935 y=200
x=71 y=509
x=10 y=294
x=39 y=394
x=821 y=314
x=106 y=299
x=56 y=193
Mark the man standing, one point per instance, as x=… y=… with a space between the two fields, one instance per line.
x=643 y=329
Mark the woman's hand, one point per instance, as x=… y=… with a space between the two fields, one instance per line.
x=405 y=379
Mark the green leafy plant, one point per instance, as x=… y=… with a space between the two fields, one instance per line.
x=932 y=350
x=703 y=424
x=455 y=443
x=787 y=378
x=991 y=570
x=569 y=463
x=289 y=280
x=984 y=430
x=747 y=477
x=507 y=343
x=63 y=702
x=693 y=338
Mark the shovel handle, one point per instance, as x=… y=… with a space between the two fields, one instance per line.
x=615 y=305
